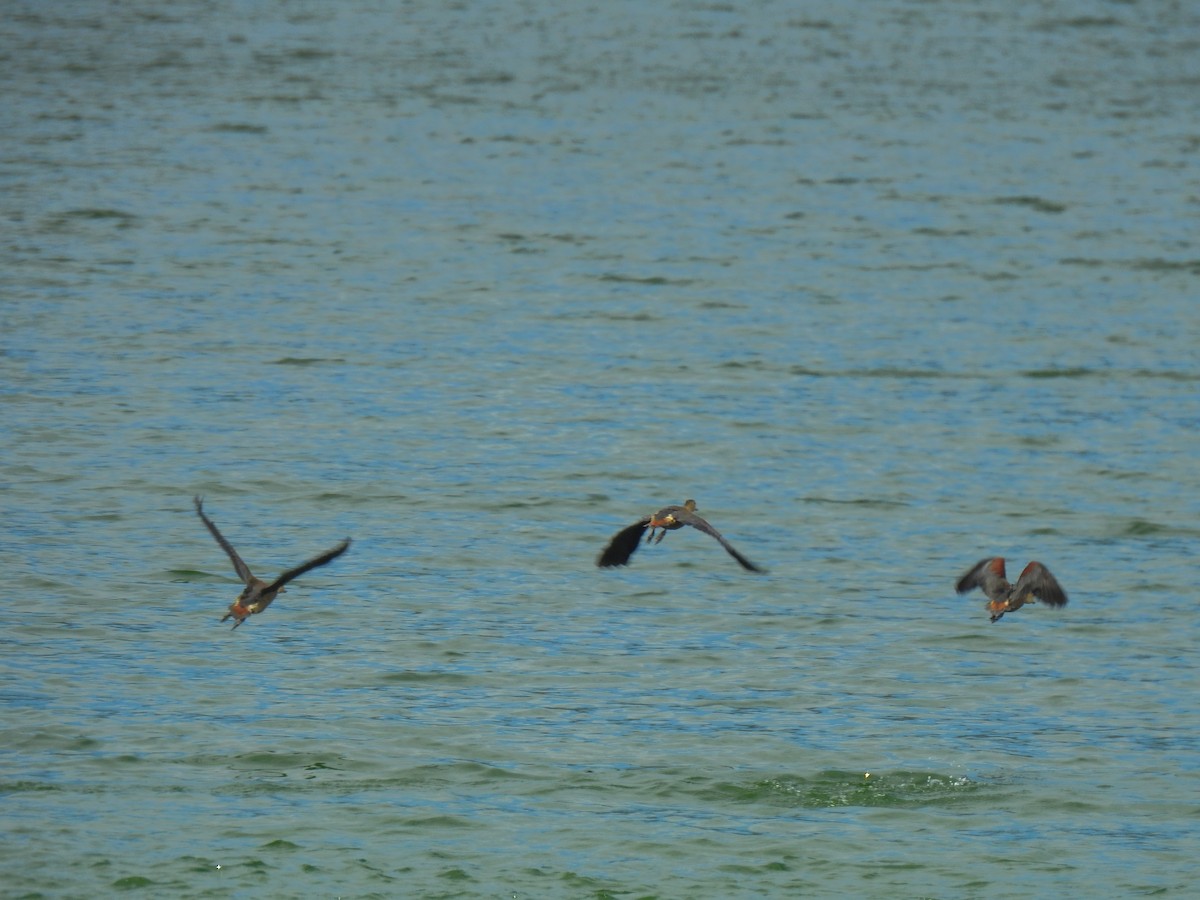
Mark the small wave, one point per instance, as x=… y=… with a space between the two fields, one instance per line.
x=831 y=789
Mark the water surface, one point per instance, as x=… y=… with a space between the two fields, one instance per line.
x=886 y=287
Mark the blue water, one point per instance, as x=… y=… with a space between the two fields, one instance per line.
x=887 y=288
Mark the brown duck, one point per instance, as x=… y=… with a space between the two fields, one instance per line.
x=669 y=518
x=258 y=594
x=1035 y=581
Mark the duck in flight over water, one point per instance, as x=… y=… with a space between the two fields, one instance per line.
x=669 y=518
x=258 y=594
x=1035 y=581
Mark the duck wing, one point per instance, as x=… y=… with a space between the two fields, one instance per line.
x=622 y=545
x=1037 y=580
x=326 y=557
x=243 y=570
x=988 y=576
x=687 y=517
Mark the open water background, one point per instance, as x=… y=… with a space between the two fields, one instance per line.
x=887 y=287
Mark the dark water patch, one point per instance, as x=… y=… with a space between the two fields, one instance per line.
x=1076 y=372
x=1190 y=266
x=630 y=317
x=1038 y=440
x=650 y=280
x=97 y=213
x=490 y=78
x=1152 y=587
x=927 y=231
x=1118 y=474
x=132 y=883
x=101 y=517
x=1186 y=377
x=1086 y=372
x=322 y=767
x=533 y=503
x=52 y=741
x=883 y=372
x=758 y=142
x=1144 y=264
x=815 y=24
x=197 y=864
x=918 y=267
x=439 y=821
x=188 y=576
x=299 y=54
x=439 y=97
x=68 y=220
x=868 y=502
x=1078 y=22
x=1035 y=203
x=23 y=787
x=280 y=761
x=238 y=128
x=587 y=886
x=279 y=844
x=342 y=497
x=1146 y=528
x=749 y=364
x=423 y=677
x=307 y=361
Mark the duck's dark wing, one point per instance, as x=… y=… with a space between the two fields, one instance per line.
x=983 y=575
x=622 y=545
x=690 y=518
x=326 y=557
x=243 y=570
x=1036 y=579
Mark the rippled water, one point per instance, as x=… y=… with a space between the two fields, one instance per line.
x=886 y=287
